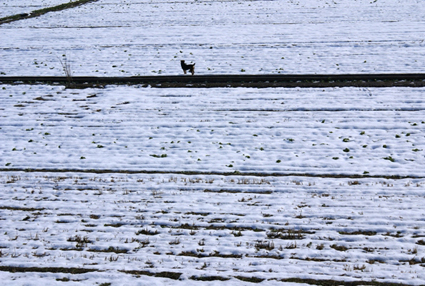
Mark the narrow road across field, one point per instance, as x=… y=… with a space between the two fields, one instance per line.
x=43 y=11
x=208 y=81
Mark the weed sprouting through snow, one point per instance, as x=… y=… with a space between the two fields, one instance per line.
x=66 y=68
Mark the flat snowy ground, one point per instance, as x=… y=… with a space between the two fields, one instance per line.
x=143 y=186
x=347 y=131
x=126 y=38
x=177 y=202
x=125 y=228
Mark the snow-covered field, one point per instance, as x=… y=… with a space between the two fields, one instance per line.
x=142 y=186
x=176 y=200
x=144 y=37
x=125 y=227
x=350 y=131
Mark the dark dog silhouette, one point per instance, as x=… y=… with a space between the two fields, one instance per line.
x=187 y=67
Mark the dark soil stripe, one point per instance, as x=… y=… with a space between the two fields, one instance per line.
x=21 y=209
x=40 y=12
x=208 y=81
x=236 y=173
x=208 y=278
x=165 y=274
x=70 y=270
x=337 y=283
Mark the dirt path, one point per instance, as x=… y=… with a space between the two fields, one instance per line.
x=40 y=12
x=208 y=81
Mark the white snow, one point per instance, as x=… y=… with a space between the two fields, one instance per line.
x=223 y=183
x=348 y=131
x=125 y=38
x=260 y=225
x=164 y=220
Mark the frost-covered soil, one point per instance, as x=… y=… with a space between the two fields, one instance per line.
x=127 y=38
x=149 y=216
